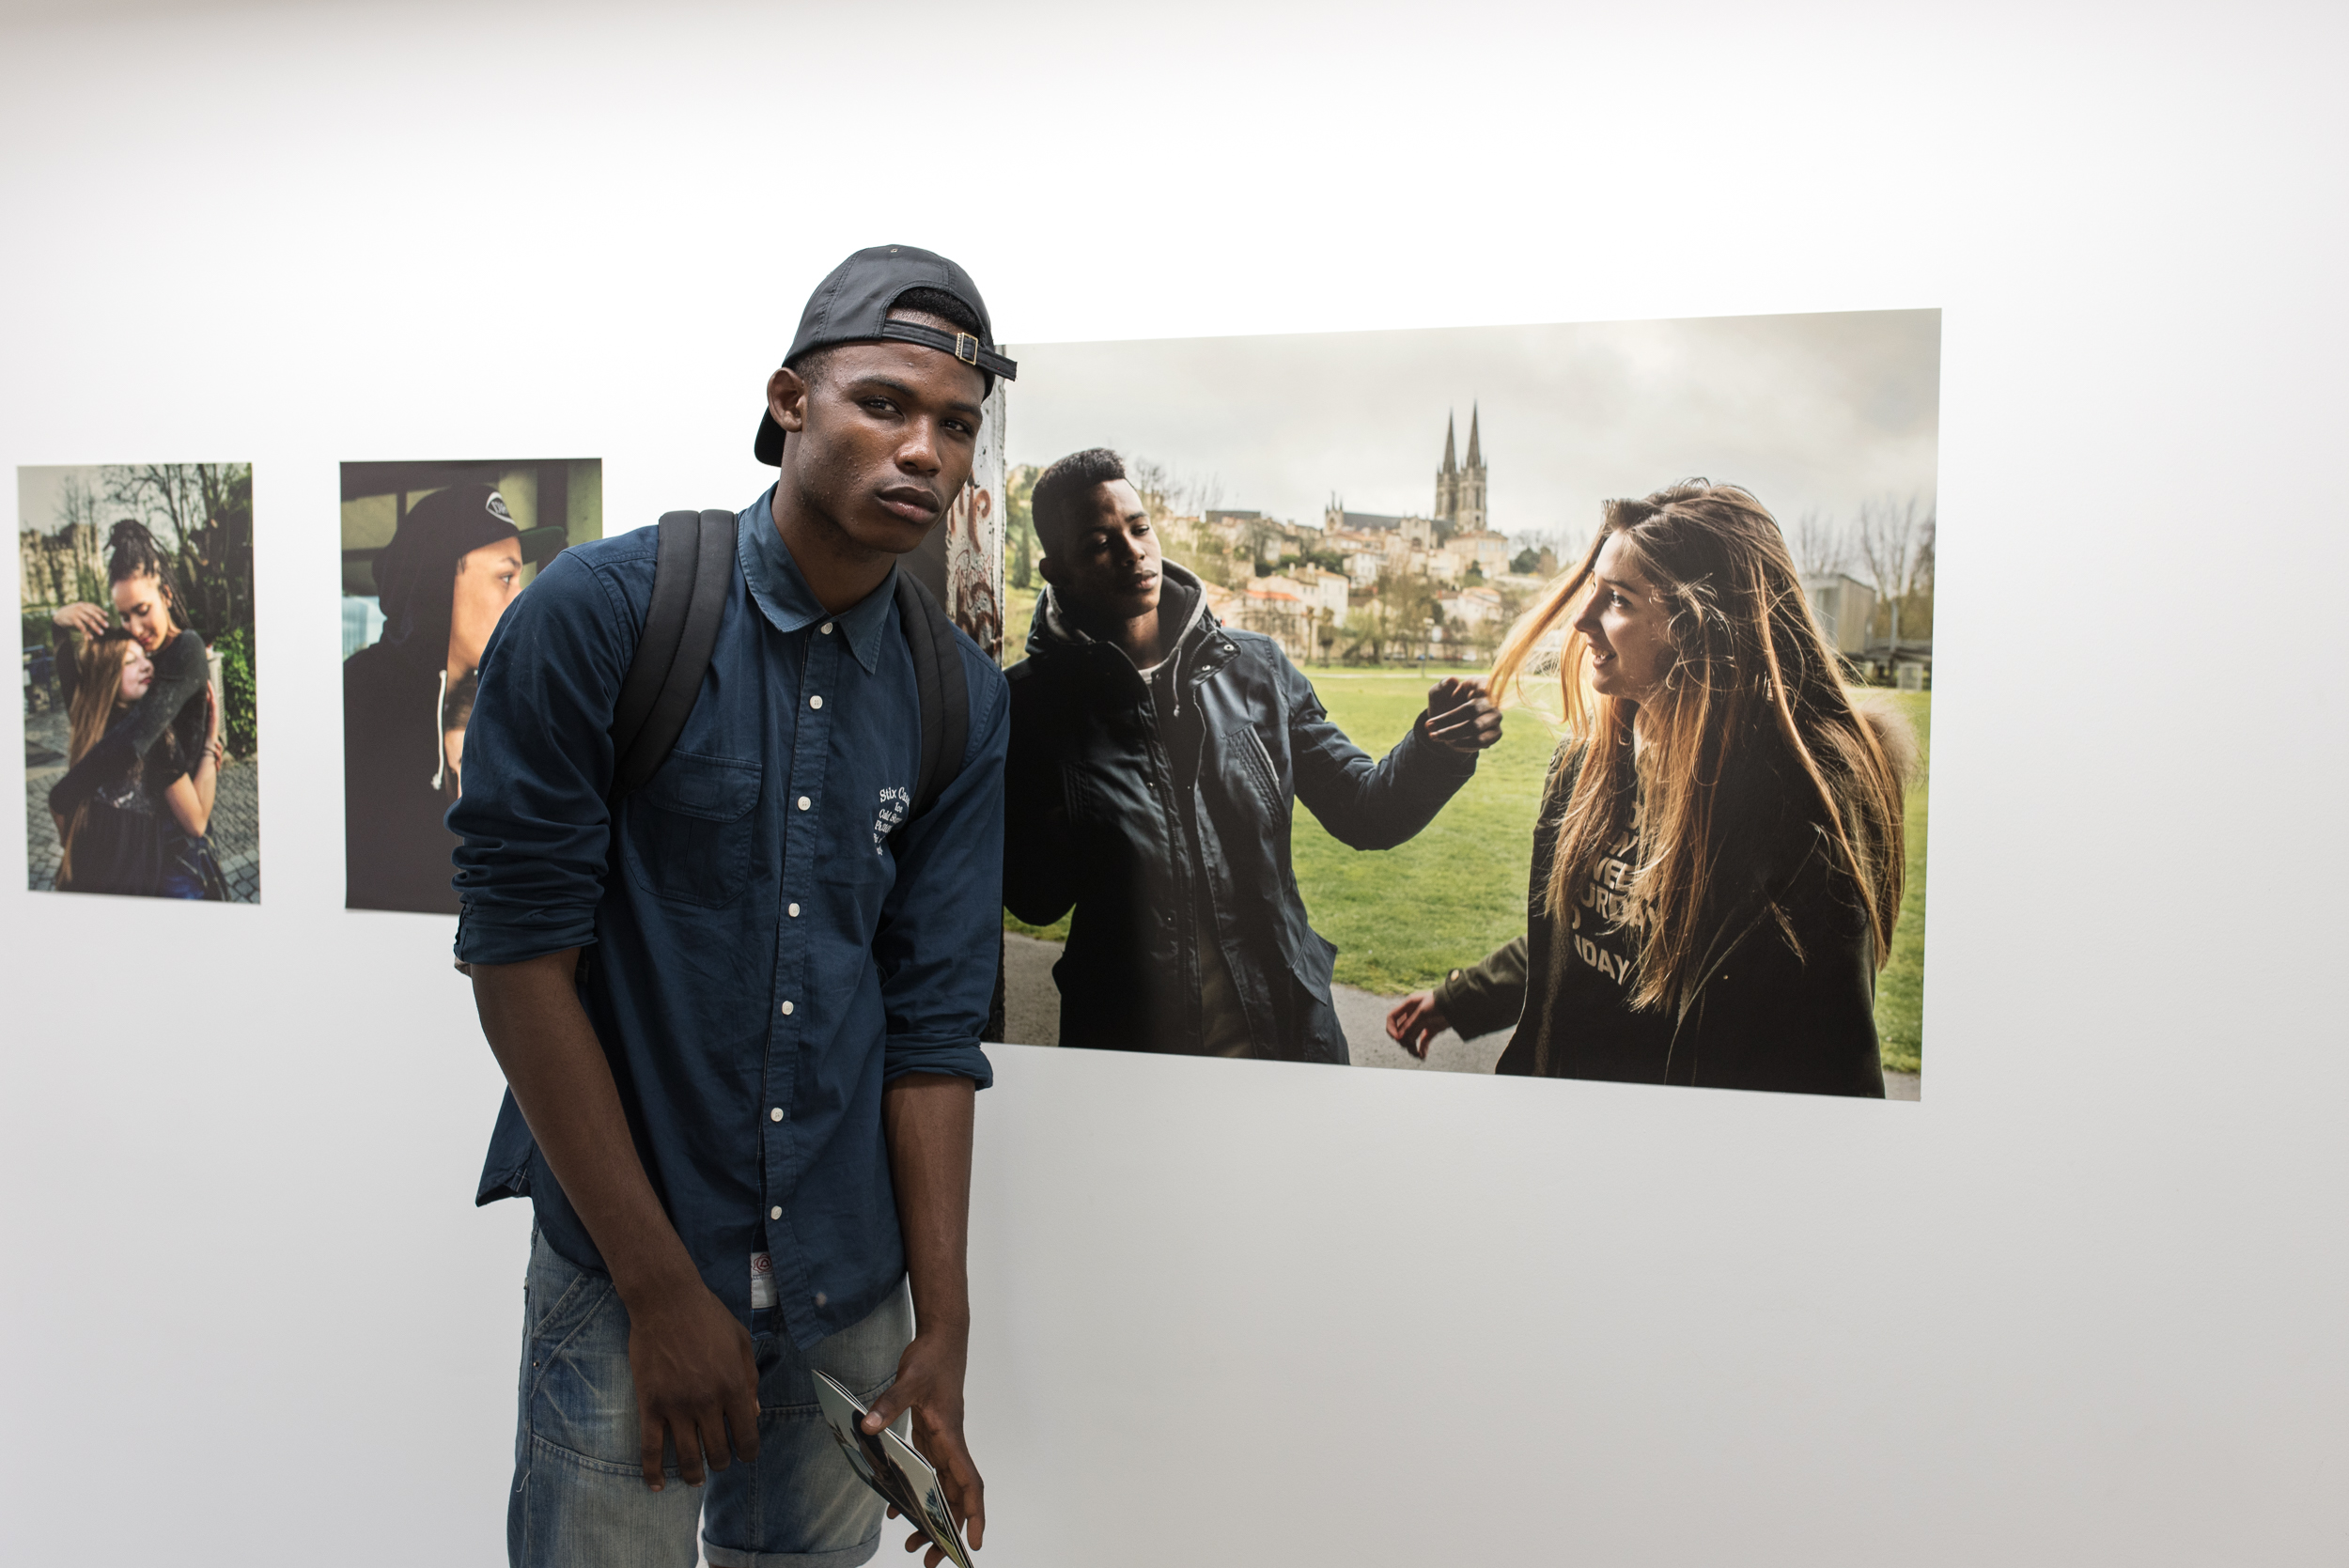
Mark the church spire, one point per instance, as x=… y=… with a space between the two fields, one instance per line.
x=1449 y=466
x=1475 y=459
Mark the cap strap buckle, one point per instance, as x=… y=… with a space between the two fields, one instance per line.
x=966 y=349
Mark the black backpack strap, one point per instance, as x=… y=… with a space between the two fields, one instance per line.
x=943 y=688
x=692 y=568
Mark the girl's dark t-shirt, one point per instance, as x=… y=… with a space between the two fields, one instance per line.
x=1775 y=1013
x=1607 y=1038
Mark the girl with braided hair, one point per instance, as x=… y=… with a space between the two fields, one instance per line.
x=174 y=725
x=1719 y=857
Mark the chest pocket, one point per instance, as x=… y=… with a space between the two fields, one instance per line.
x=687 y=832
x=1252 y=762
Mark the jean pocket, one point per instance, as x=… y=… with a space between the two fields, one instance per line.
x=558 y=1296
x=689 y=830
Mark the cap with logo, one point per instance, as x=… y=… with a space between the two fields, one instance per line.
x=414 y=572
x=853 y=304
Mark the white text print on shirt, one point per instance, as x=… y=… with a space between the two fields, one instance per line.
x=895 y=804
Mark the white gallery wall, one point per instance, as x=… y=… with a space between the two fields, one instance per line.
x=2082 y=1304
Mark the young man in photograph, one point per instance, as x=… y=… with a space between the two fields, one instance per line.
x=1156 y=759
x=740 y=1009
x=444 y=580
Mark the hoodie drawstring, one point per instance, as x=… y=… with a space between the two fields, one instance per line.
x=440 y=744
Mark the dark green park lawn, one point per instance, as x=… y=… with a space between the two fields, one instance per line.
x=1401 y=918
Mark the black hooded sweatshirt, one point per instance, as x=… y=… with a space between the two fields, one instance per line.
x=397 y=786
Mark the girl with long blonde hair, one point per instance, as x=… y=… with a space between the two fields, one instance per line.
x=1719 y=858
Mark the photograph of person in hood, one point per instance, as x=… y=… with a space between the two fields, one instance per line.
x=454 y=564
x=1157 y=757
x=1719 y=857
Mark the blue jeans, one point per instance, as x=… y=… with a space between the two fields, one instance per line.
x=580 y=1499
x=180 y=884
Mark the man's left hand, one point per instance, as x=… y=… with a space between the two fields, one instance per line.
x=929 y=1382
x=1461 y=715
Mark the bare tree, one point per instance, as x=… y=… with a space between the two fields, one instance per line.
x=166 y=497
x=69 y=562
x=201 y=514
x=1895 y=542
x=1920 y=599
x=1020 y=519
x=1264 y=538
x=78 y=503
x=1822 y=547
x=1201 y=494
x=1154 y=484
x=1167 y=493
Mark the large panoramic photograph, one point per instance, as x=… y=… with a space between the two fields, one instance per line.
x=1547 y=700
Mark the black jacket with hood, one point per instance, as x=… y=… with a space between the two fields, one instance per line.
x=1106 y=796
x=1787 y=992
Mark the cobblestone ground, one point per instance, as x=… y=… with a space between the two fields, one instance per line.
x=236 y=826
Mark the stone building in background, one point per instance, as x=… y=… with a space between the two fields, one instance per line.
x=1460 y=486
x=62 y=566
x=1459 y=508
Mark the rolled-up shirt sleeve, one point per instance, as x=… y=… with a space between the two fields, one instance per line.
x=534 y=822
x=941 y=929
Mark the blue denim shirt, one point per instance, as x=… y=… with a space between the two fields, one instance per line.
x=765 y=946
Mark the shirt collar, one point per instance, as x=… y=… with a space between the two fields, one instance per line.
x=786 y=600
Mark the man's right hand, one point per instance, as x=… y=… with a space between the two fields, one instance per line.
x=696 y=1376
x=696 y=1381
x=1461 y=715
x=1416 y=1021
x=88 y=619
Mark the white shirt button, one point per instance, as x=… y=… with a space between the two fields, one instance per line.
x=786 y=1009
x=826 y=628
x=775 y=1116
x=794 y=910
x=816 y=702
x=775 y=1212
x=803 y=802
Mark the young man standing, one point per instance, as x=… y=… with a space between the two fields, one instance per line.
x=1156 y=759
x=740 y=1009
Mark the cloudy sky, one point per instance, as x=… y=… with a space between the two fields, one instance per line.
x=38 y=491
x=1808 y=412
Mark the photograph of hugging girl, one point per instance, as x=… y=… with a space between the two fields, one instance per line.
x=141 y=760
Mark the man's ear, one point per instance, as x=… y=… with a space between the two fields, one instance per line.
x=1045 y=569
x=787 y=399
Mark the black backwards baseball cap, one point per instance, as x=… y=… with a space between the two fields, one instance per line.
x=412 y=573
x=851 y=306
